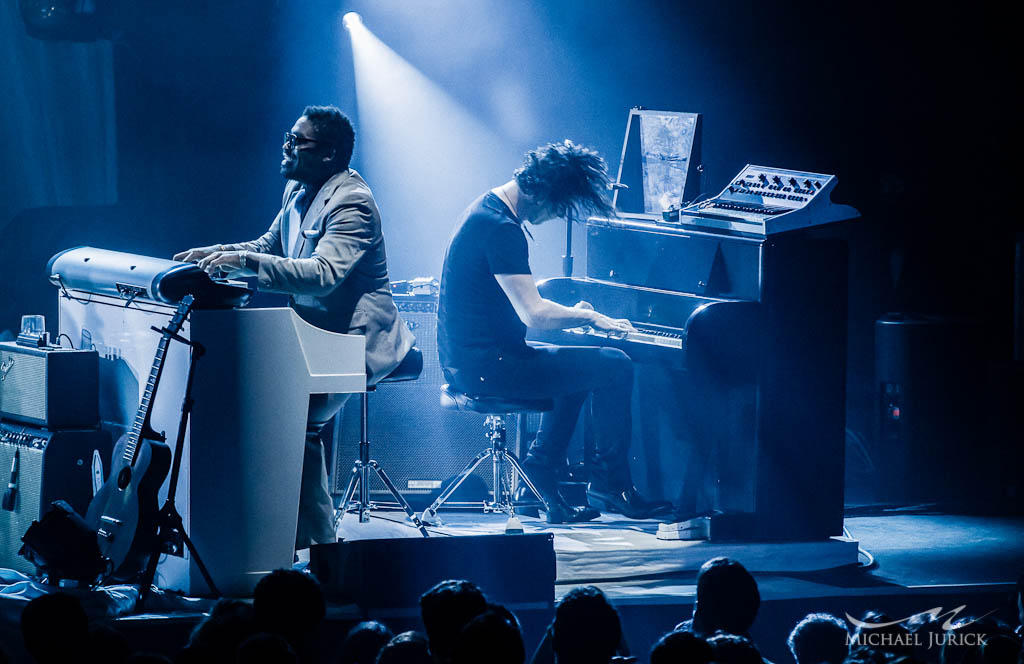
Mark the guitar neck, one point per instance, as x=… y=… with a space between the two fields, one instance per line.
x=141 y=425
x=142 y=415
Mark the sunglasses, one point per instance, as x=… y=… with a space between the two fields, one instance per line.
x=291 y=140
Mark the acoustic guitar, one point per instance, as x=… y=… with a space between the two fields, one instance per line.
x=124 y=511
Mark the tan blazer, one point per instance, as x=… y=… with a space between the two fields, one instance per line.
x=338 y=277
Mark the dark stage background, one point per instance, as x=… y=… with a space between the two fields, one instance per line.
x=909 y=105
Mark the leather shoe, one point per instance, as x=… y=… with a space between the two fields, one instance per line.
x=628 y=503
x=570 y=514
x=558 y=510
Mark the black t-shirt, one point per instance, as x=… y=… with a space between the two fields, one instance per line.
x=475 y=319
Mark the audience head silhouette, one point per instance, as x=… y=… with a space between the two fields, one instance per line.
x=727 y=598
x=46 y=617
x=586 y=629
x=678 y=646
x=493 y=636
x=290 y=603
x=363 y=642
x=446 y=609
x=265 y=648
x=216 y=638
x=462 y=627
x=406 y=648
x=819 y=638
x=894 y=639
x=733 y=649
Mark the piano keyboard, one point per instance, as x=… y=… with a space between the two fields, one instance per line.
x=645 y=334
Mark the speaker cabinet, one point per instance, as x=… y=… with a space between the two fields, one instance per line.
x=56 y=388
x=931 y=405
x=419 y=444
x=393 y=573
x=44 y=466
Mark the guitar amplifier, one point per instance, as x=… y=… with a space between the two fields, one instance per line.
x=55 y=388
x=38 y=467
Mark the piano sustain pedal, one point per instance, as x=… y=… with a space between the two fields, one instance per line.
x=695 y=529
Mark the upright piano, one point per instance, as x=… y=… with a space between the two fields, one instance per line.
x=740 y=313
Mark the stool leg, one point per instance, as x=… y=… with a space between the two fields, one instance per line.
x=514 y=460
x=496 y=434
x=360 y=478
x=350 y=492
x=364 y=459
x=400 y=498
x=430 y=514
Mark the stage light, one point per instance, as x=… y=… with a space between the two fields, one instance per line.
x=351 y=20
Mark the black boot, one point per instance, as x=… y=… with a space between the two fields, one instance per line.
x=558 y=511
x=629 y=502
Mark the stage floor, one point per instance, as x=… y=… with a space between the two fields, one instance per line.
x=910 y=551
x=613 y=547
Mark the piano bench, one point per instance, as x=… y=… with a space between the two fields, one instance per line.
x=452 y=400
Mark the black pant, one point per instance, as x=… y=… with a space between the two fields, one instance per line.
x=567 y=374
x=316 y=507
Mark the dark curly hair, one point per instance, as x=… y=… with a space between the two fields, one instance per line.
x=565 y=178
x=335 y=129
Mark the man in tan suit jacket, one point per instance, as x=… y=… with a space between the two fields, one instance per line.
x=326 y=251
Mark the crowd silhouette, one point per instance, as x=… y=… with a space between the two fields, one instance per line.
x=281 y=624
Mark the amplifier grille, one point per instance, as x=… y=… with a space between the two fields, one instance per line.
x=27 y=506
x=23 y=385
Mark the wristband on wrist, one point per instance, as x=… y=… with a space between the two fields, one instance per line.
x=242 y=255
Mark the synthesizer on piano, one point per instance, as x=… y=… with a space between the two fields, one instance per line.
x=767 y=201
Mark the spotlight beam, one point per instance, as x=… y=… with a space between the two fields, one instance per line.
x=424 y=153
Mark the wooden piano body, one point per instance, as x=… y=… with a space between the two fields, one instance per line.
x=758 y=382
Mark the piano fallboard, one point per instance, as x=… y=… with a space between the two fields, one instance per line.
x=674 y=258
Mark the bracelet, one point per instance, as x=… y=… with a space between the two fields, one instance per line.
x=241 y=258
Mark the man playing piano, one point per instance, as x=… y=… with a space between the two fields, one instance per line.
x=489 y=298
x=326 y=251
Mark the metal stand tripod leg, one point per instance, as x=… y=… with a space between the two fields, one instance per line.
x=170 y=521
x=517 y=464
x=430 y=514
x=503 y=500
x=360 y=478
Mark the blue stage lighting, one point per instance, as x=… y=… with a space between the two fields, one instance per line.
x=351 y=20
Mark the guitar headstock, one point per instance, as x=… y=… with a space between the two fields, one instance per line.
x=181 y=313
